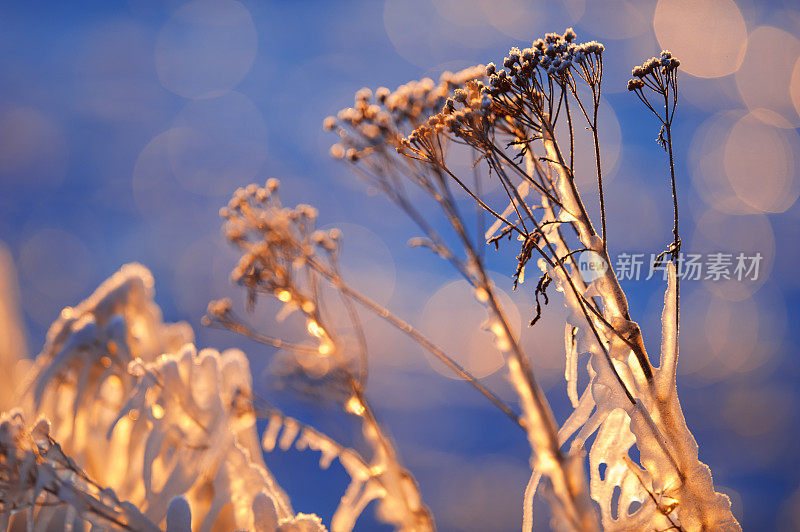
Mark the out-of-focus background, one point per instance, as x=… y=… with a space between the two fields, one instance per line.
x=125 y=125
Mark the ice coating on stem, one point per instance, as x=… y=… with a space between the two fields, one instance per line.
x=665 y=380
x=619 y=486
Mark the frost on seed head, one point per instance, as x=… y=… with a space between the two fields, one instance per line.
x=378 y=122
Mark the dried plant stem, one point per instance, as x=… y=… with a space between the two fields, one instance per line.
x=668 y=365
x=596 y=139
x=538 y=420
x=418 y=337
x=676 y=234
x=641 y=354
x=416 y=517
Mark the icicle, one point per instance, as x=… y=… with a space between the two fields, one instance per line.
x=355 y=499
x=579 y=416
x=328 y=449
x=271 y=433
x=179 y=515
x=354 y=466
x=527 y=501
x=571 y=369
x=618 y=486
x=669 y=337
x=265 y=518
x=290 y=430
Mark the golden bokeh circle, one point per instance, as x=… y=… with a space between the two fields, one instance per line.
x=708 y=36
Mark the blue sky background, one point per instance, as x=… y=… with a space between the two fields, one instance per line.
x=125 y=125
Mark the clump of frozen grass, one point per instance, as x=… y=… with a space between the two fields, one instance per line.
x=41 y=484
x=135 y=410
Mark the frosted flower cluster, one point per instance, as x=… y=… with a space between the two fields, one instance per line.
x=275 y=241
x=554 y=55
x=280 y=249
x=522 y=95
x=655 y=72
x=383 y=118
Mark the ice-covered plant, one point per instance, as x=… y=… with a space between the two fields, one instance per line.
x=137 y=430
x=134 y=411
x=509 y=117
x=283 y=256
